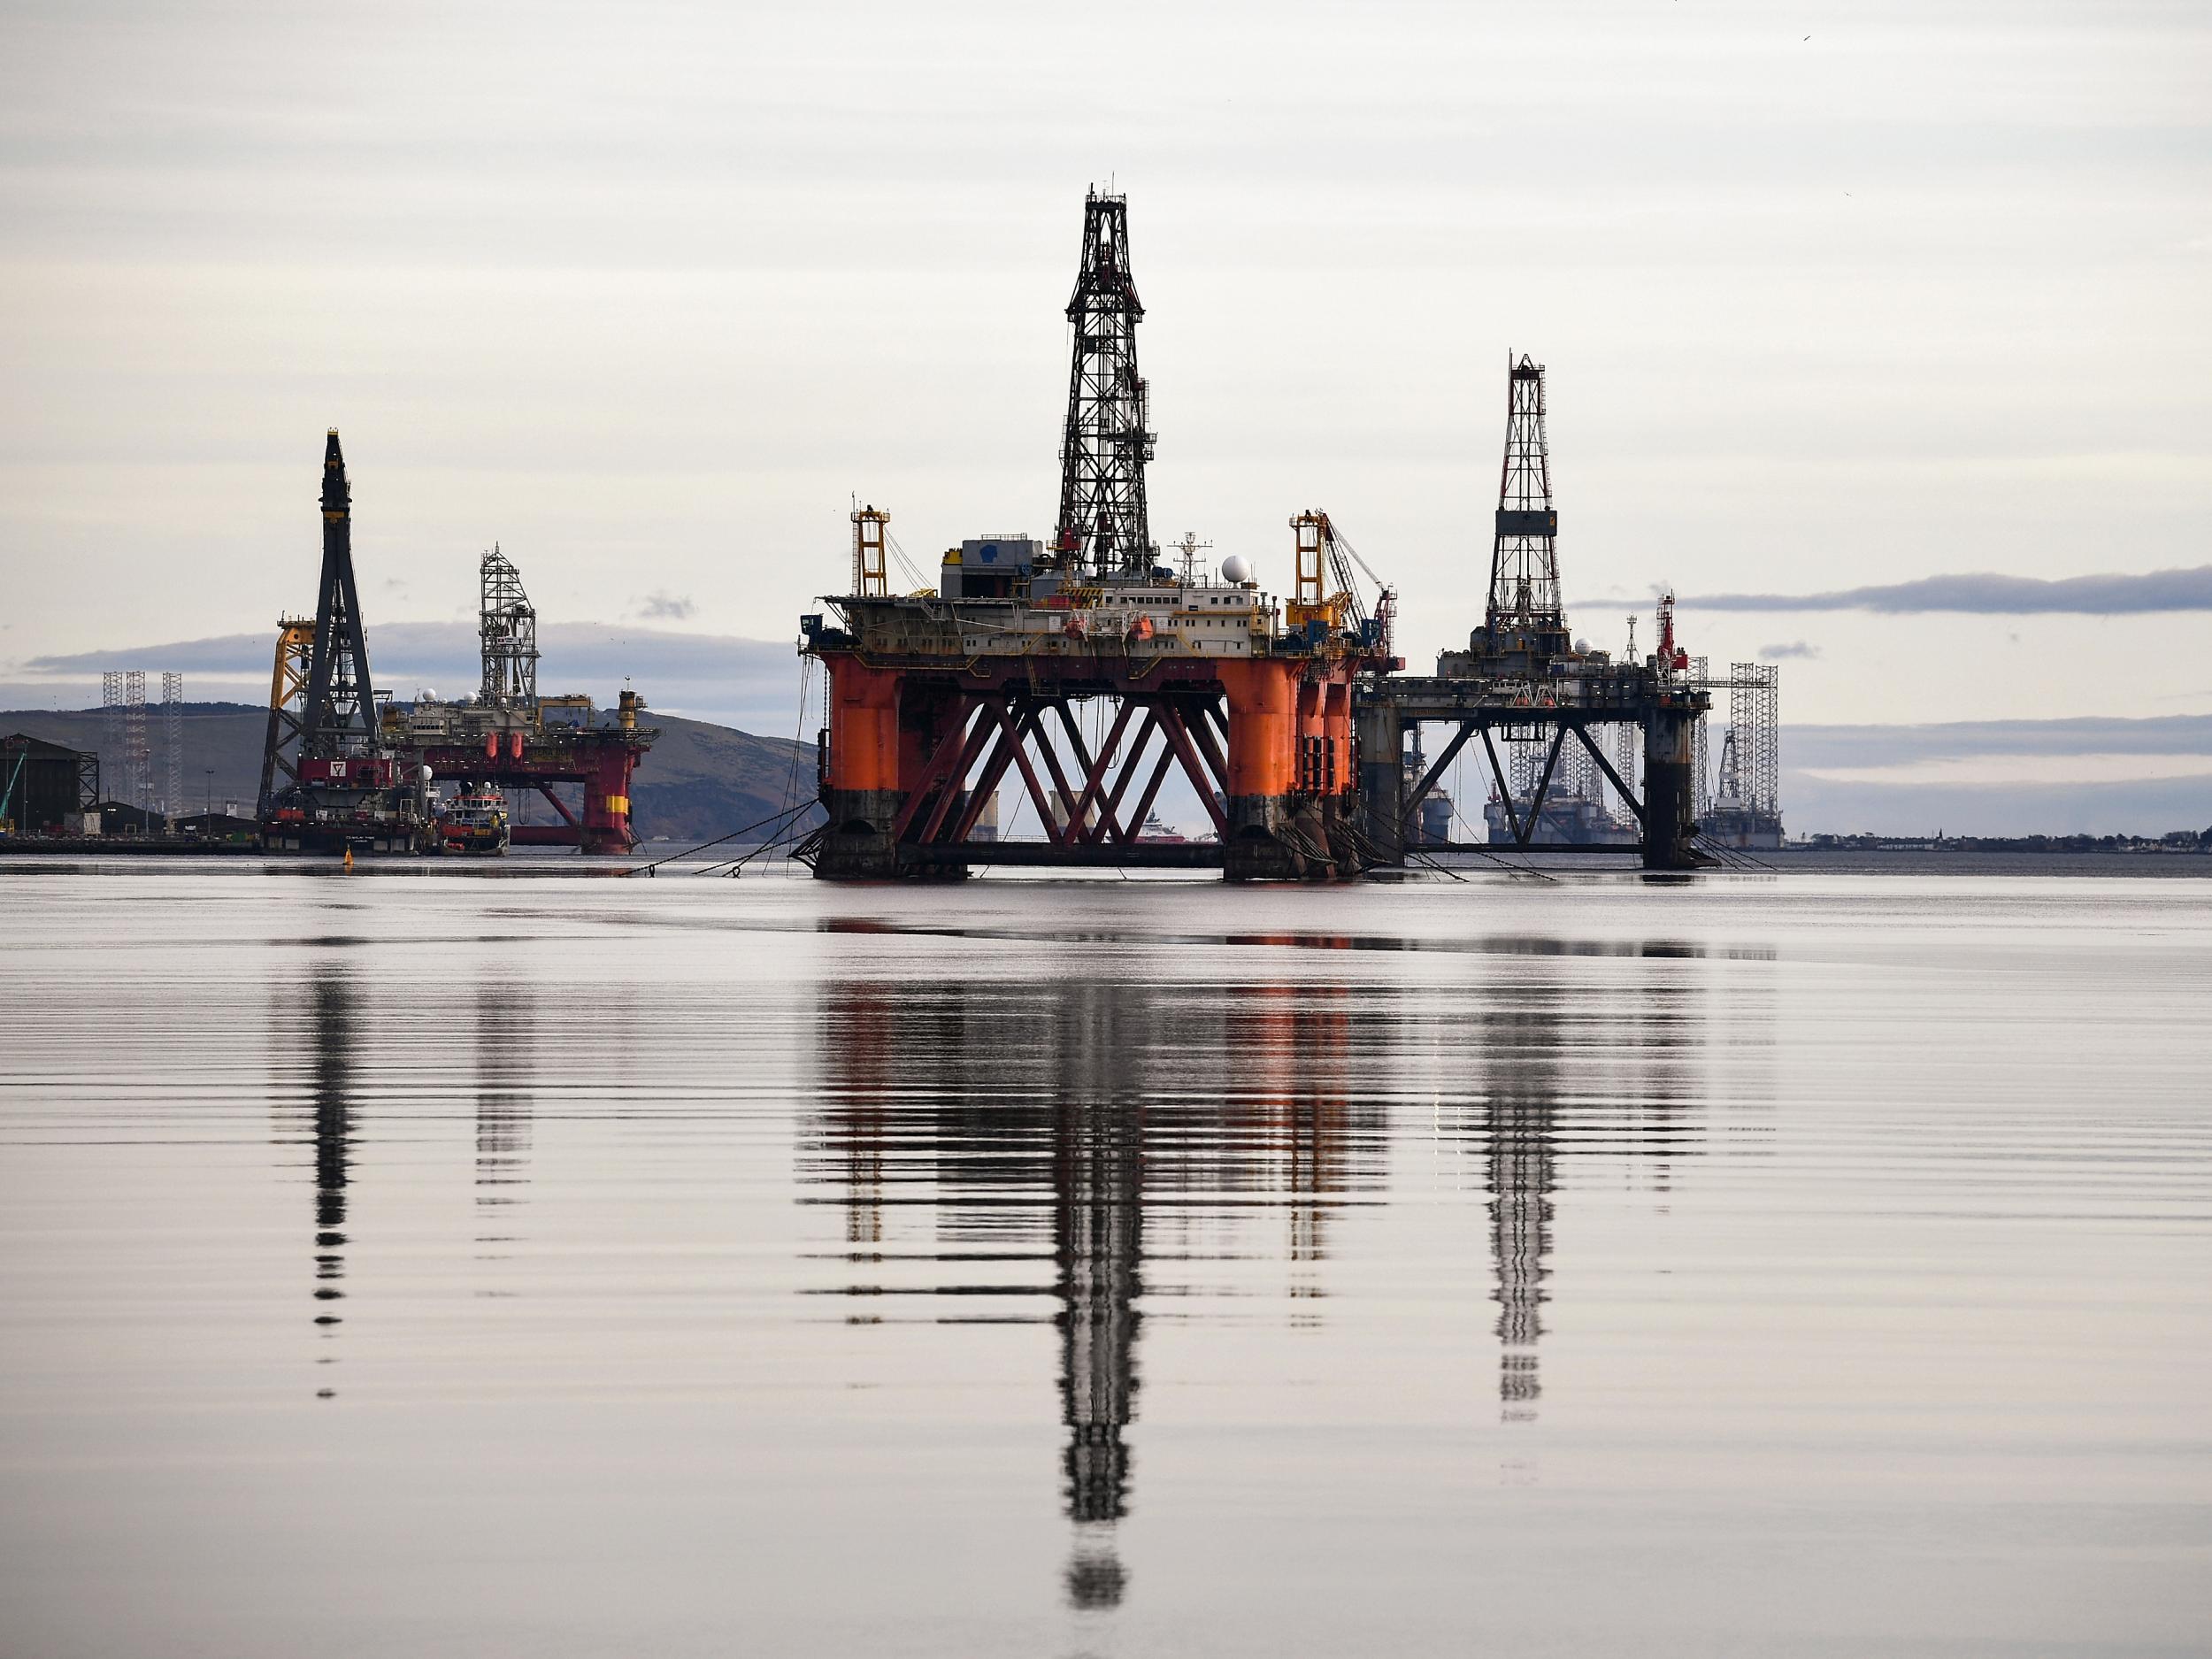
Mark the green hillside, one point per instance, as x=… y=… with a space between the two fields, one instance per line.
x=700 y=781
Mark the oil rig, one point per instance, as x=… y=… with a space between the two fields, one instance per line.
x=345 y=769
x=1524 y=682
x=935 y=696
x=508 y=737
x=1290 y=717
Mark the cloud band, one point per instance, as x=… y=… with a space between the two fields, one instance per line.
x=1991 y=595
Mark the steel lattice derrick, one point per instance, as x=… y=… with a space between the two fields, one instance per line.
x=1104 y=524
x=340 y=713
x=508 y=626
x=1525 y=556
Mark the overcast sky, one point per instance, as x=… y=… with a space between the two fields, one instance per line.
x=1834 y=297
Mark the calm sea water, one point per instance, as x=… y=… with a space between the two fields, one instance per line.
x=423 y=1264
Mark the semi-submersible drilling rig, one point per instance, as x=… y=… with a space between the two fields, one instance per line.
x=1290 y=721
x=345 y=770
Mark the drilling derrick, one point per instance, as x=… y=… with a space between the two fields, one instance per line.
x=1524 y=621
x=1103 y=529
x=1731 y=785
x=508 y=626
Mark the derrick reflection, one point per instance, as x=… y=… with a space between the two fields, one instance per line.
x=1100 y=1126
x=1098 y=1156
x=1570 y=1065
x=332 y=997
x=504 y=1033
x=1519 y=1120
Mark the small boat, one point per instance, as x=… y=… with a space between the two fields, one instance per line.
x=475 y=821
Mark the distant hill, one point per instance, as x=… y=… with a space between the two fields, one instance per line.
x=703 y=780
x=699 y=781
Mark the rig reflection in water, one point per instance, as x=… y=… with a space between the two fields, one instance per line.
x=1074 y=1123
x=326 y=1025
x=1094 y=1124
x=1526 y=1099
x=1050 y=1147
x=331 y=995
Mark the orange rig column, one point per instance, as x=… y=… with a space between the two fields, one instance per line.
x=606 y=827
x=1270 y=835
x=861 y=765
x=1339 y=787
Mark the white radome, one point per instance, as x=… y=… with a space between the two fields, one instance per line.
x=1236 y=568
